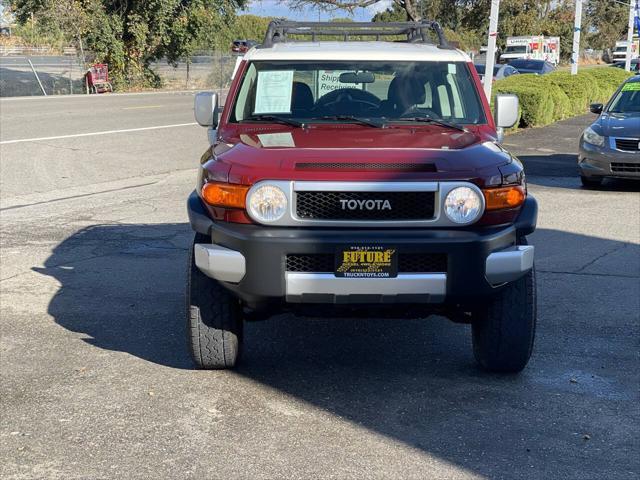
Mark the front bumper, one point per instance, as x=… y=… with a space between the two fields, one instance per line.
x=250 y=260
x=606 y=161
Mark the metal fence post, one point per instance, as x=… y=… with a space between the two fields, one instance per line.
x=627 y=59
x=491 y=48
x=577 y=26
x=70 y=77
x=37 y=78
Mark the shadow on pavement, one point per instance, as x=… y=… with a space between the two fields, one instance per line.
x=123 y=286
x=411 y=380
x=19 y=83
x=552 y=171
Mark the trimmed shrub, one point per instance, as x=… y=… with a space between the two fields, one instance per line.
x=581 y=90
x=608 y=80
x=536 y=107
x=545 y=99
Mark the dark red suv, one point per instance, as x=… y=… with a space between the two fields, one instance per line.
x=346 y=177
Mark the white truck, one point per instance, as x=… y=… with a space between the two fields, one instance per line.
x=551 y=50
x=530 y=47
x=534 y=47
x=620 y=50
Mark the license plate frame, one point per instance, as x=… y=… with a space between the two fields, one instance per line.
x=366 y=261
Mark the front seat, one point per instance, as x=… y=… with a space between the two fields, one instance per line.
x=301 y=99
x=404 y=93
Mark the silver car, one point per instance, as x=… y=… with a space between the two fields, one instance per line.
x=610 y=146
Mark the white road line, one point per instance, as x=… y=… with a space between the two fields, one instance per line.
x=106 y=132
x=95 y=97
x=142 y=107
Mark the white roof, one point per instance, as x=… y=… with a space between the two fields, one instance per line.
x=356 y=50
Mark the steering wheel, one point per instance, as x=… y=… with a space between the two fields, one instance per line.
x=347 y=98
x=415 y=111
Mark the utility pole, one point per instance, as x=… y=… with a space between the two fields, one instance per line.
x=491 y=48
x=627 y=62
x=577 y=27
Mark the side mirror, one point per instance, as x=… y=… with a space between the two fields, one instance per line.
x=596 y=108
x=506 y=110
x=205 y=107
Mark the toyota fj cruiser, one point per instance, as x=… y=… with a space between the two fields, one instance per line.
x=349 y=174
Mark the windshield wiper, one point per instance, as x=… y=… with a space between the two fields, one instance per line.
x=436 y=121
x=275 y=119
x=352 y=119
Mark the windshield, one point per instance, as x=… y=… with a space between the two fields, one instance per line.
x=516 y=49
x=627 y=100
x=330 y=91
x=621 y=49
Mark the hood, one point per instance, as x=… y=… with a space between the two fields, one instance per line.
x=620 y=124
x=351 y=152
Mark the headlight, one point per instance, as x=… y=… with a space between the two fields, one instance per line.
x=267 y=203
x=462 y=205
x=590 y=136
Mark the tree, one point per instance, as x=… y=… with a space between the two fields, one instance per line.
x=129 y=34
x=608 y=22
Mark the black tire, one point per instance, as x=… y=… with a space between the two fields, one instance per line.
x=591 y=182
x=504 y=329
x=214 y=319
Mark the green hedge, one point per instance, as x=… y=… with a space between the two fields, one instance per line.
x=545 y=99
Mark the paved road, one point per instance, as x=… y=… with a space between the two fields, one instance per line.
x=97 y=381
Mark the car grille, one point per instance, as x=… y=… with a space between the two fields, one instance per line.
x=618 y=167
x=628 y=144
x=328 y=206
x=407 y=263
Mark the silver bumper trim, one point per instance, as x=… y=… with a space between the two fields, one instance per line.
x=433 y=285
x=219 y=262
x=510 y=264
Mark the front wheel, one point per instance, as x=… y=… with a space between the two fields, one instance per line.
x=504 y=328
x=214 y=319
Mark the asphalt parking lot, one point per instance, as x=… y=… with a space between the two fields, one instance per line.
x=96 y=377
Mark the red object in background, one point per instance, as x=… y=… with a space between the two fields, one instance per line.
x=97 y=78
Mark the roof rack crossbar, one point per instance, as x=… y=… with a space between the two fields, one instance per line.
x=415 y=32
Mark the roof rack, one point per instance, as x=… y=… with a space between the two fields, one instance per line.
x=416 y=32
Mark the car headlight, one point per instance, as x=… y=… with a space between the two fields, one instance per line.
x=463 y=205
x=267 y=203
x=590 y=136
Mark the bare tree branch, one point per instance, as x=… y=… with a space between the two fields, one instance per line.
x=410 y=6
x=349 y=5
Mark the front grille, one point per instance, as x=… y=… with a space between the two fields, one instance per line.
x=422 y=262
x=628 y=144
x=382 y=206
x=316 y=262
x=363 y=166
x=407 y=263
x=619 y=167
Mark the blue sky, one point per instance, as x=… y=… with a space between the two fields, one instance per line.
x=275 y=8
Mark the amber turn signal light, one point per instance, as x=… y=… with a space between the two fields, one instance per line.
x=224 y=194
x=504 y=197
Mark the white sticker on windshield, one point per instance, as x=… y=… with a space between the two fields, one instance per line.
x=329 y=80
x=273 y=92
x=452 y=68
